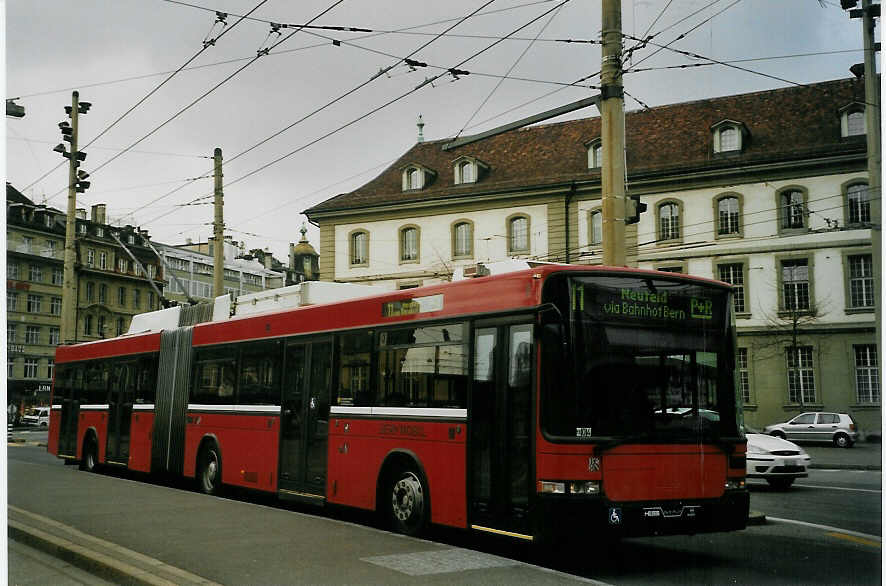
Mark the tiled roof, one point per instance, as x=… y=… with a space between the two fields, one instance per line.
x=783 y=125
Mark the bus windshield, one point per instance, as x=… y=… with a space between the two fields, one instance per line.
x=648 y=359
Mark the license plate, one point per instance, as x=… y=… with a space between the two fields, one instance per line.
x=790 y=462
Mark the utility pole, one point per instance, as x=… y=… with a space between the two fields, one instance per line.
x=612 y=176
x=68 y=330
x=872 y=124
x=218 y=270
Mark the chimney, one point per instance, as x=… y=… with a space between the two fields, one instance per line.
x=98 y=213
x=421 y=128
x=268 y=258
x=189 y=241
x=81 y=213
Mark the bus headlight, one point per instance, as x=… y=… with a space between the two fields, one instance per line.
x=585 y=487
x=735 y=483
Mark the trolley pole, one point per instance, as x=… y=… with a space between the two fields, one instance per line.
x=68 y=329
x=612 y=137
x=218 y=270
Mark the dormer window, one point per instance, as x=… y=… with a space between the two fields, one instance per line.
x=728 y=136
x=468 y=170
x=595 y=154
x=417 y=177
x=852 y=120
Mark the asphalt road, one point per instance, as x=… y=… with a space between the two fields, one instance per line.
x=829 y=535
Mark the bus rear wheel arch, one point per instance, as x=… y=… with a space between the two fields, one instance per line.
x=209 y=468
x=403 y=499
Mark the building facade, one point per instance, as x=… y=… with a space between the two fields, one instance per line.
x=767 y=191
x=191 y=266
x=111 y=288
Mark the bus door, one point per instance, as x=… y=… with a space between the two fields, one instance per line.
x=304 y=424
x=120 y=412
x=69 y=384
x=500 y=421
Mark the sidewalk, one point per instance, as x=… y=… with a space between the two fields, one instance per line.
x=861 y=456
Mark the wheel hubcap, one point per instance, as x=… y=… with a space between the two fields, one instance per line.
x=211 y=470
x=407 y=497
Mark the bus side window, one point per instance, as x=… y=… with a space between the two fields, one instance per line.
x=146 y=380
x=355 y=361
x=95 y=389
x=214 y=377
x=260 y=374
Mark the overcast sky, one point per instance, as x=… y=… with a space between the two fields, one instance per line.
x=117 y=51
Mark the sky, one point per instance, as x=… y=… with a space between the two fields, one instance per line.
x=320 y=111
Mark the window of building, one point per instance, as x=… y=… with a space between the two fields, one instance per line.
x=861 y=280
x=136 y=298
x=867 y=374
x=12 y=270
x=29 y=243
x=729 y=139
x=11 y=300
x=152 y=270
x=51 y=247
x=50 y=368
x=151 y=300
x=81 y=228
x=35 y=273
x=795 y=284
x=90 y=257
x=852 y=120
x=728 y=136
x=728 y=215
x=119 y=326
x=359 y=248
x=90 y=291
x=792 y=209
x=11 y=331
x=130 y=239
x=201 y=289
x=10 y=367
x=668 y=221
x=34 y=303
x=858 y=204
x=744 y=381
x=518 y=235
x=32 y=334
x=413 y=178
x=595 y=154
x=408 y=245
x=54 y=335
x=733 y=273
x=99 y=231
x=103 y=261
x=55 y=305
x=671 y=269
x=87 y=325
x=462 y=239
x=121 y=296
x=801 y=376
x=595 y=227
x=465 y=173
x=121 y=265
x=100 y=327
x=48 y=220
x=58 y=276
x=30 y=368
x=102 y=293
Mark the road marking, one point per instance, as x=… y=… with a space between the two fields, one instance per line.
x=855 y=539
x=830 y=529
x=840 y=488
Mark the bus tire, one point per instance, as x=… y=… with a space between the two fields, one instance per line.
x=89 y=457
x=209 y=469
x=408 y=503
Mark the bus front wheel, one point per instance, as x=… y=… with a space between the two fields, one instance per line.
x=209 y=470
x=409 y=502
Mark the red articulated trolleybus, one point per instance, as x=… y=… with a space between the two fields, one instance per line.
x=533 y=404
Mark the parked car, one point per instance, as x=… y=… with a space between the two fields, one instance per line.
x=776 y=460
x=36 y=416
x=817 y=427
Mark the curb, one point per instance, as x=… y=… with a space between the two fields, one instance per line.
x=846 y=466
x=99 y=557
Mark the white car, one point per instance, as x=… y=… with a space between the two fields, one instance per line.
x=36 y=416
x=775 y=460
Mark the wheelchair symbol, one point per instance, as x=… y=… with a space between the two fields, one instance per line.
x=614 y=516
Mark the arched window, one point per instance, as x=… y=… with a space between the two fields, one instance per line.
x=858 y=202
x=466 y=172
x=408 y=244
x=792 y=204
x=669 y=221
x=359 y=248
x=518 y=235
x=87 y=325
x=728 y=215
x=596 y=227
x=462 y=239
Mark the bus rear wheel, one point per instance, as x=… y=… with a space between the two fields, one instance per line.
x=209 y=470
x=89 y=459
x=409 y=502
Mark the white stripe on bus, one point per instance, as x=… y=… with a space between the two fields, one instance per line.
x=422 y=412
x=235 y=408
x=143 y=407
x=56 y=407
x=94 y=406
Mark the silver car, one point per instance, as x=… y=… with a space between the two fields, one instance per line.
x=775 y=460
x=838 y=428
